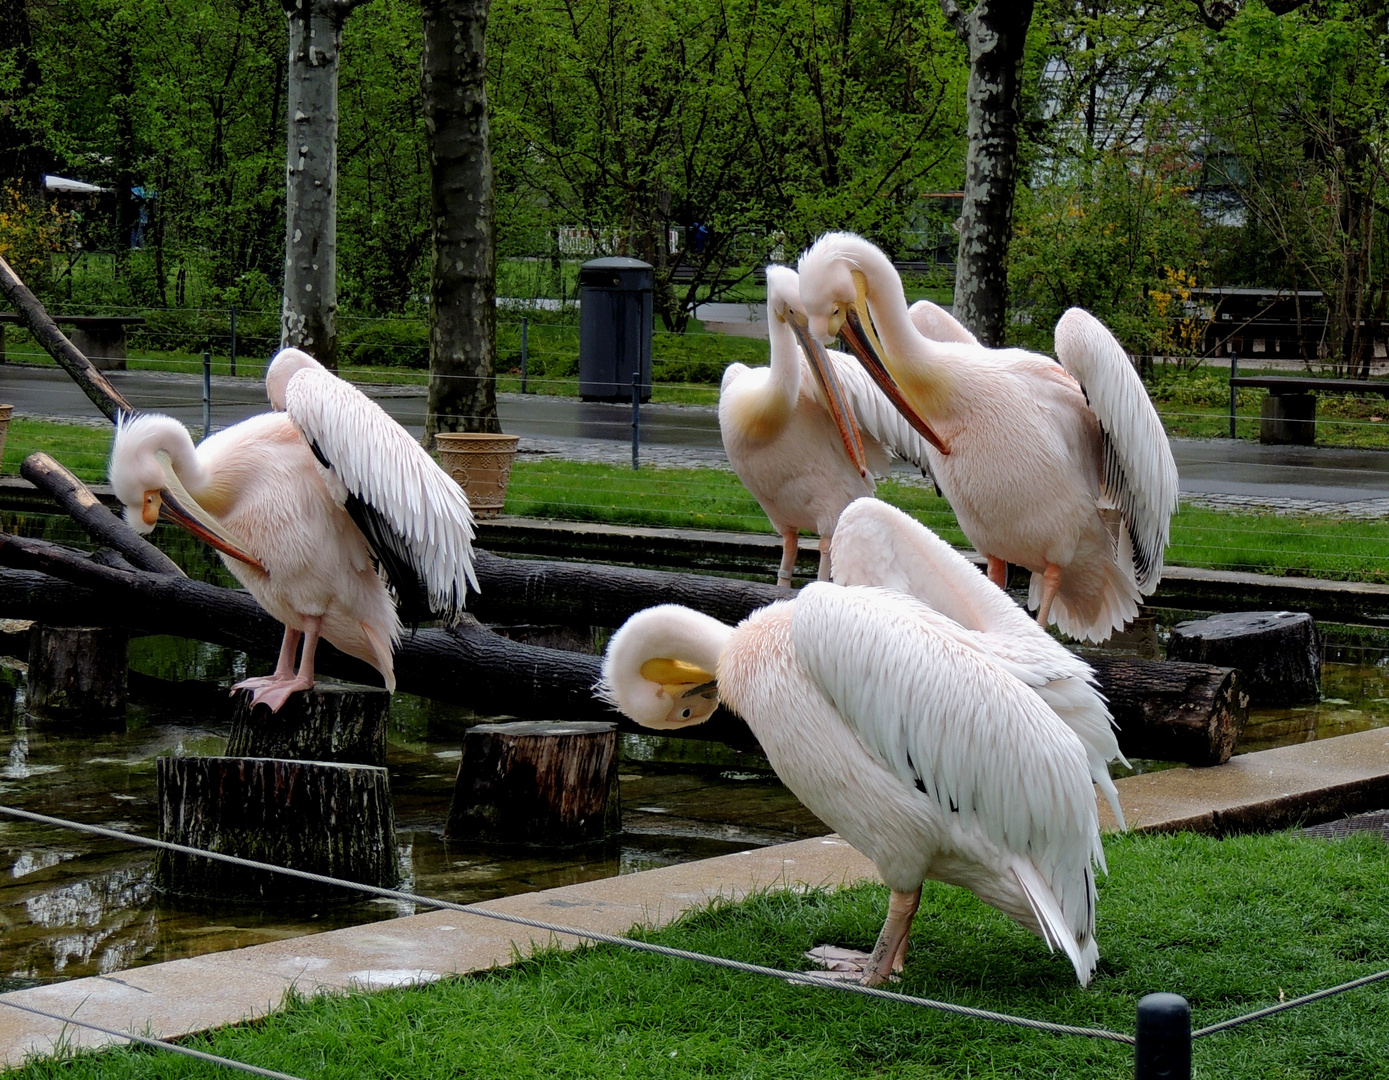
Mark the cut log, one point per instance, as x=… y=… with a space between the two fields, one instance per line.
x=331 y=722
x=1279 y=652
x=534 y=784
x=1172 y=711
x=325 y=818
x=78 y=673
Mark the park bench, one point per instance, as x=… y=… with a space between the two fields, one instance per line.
x=1289 y=411
x=101 y=338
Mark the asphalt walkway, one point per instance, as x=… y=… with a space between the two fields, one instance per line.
x=1212 y=471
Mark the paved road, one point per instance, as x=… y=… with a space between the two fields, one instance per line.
x=684 y=433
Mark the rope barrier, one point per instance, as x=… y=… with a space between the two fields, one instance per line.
x=795 y=978
x=157 y=1044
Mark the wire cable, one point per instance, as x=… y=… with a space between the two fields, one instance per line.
x=797 y=978
x=157 y=1044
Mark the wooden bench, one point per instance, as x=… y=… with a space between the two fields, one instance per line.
x=1289 y=412
x=101 y=338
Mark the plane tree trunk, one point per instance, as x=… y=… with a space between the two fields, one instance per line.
x=995 y=32
x=309 y=316
x=463 y=311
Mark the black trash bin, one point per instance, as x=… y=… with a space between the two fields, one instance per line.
x=615 y=316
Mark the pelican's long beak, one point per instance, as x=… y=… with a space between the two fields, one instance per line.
x=840 y=411
x=182 y=509
x=862 y=343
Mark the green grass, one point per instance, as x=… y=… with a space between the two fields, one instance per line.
x=1232 y=925
x=1310 y=546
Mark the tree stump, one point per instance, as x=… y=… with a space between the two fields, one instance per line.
x=325 y=818
x=1173 y=711
x=1279 y=652
x=331 y=722
x=536 y=784
x=77 y=673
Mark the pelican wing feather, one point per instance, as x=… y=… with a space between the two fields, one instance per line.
x=946 y=719
x=1140 y=476
x=414 y=516
x=878 y=545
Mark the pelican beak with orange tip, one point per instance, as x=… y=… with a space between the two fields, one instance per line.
x=175 y=504
x=835 y=401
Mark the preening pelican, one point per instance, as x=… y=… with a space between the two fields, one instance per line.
x=1064 y=470
x=305 y=506
x=877 y=544
x=898 y=730
x=807 y=434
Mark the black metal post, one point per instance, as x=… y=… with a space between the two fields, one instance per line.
x=636 y=417
x=233 y=339
x=207 y=392
x=525 y=351
x=1234 y=371
x=1162 y=1048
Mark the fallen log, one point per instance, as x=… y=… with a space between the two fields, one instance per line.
x=1166 y=711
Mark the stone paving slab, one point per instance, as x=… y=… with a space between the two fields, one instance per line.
x=1273 y=788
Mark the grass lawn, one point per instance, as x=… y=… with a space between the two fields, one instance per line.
x=704 y=498
x=1232 y=925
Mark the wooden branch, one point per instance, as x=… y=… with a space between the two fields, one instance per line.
x=86 y=509
x=517 y=590
x=957 y=18
x=32 y=314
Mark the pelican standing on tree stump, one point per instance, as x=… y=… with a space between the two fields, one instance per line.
x=320 y=509
x=807 y=433
x=897 y=729
x=1063 y=469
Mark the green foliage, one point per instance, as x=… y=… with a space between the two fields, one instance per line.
x=1106 y=240
x=1233 y=925
x=764 y=123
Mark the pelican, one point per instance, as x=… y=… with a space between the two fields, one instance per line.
x=877 y=544
x=316 y=508
x=801 y=450
x=897 y=729
x=1064 y=470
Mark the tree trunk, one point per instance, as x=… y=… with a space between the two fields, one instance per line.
x=996 y=33
x=463 y=311
x=77 y=673
x=309 y=317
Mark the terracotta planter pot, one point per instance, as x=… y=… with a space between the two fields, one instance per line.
x=5 y=411
x=481 y=464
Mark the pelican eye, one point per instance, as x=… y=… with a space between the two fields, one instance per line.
x=685 y=715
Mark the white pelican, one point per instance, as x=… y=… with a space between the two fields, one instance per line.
x=1064 y=470
x=898 y=730
x=305 y=506
x=798 y=447
x=877 y=544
